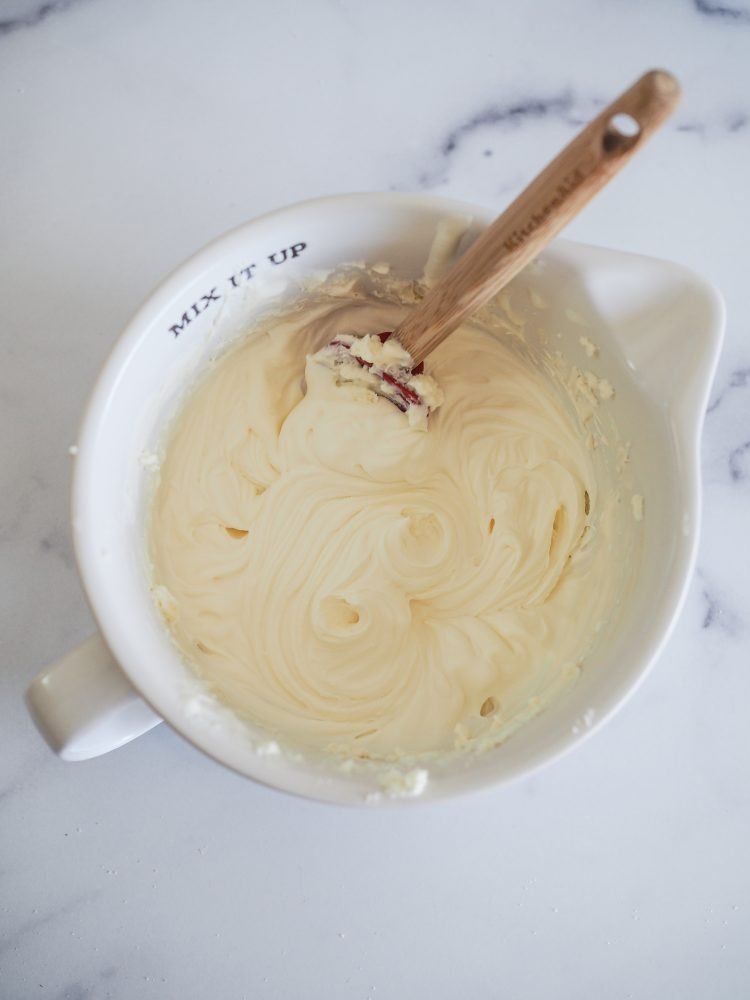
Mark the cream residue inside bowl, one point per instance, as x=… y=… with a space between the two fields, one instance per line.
x=360 y=586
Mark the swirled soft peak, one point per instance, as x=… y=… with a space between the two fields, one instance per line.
x=352 y=583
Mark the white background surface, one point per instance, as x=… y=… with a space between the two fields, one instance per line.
x=132 y=133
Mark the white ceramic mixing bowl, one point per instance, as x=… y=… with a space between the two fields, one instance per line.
x=659 y=328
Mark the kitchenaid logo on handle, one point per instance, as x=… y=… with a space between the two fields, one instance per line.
x=565 y=188
x=233 y=281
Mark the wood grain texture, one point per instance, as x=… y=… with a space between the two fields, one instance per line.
x=557 y=194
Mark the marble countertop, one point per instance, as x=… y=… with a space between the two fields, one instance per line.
x=133 y=134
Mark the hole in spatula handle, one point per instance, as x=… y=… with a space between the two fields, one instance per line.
x=621 y=134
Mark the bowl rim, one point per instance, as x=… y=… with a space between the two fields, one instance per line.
x=119 y=636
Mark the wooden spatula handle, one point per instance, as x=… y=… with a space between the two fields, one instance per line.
x=541 y=210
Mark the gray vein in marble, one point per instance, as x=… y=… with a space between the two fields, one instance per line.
x=712 y=610
x=696 y=127
x=507 y=116
x=572 y=111
x=10 y=527
x=738 y=379
x=57 y=542
x=717 y=614
x=21 y=780
x=13 y=939
x=736 y=13
x=513 y=114
x=739 y=463
x=37 y=13
x=731 y=123
x=76 y=991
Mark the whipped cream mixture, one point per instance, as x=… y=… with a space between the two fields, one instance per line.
x=357 y=584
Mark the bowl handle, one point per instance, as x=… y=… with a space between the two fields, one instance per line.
x=669 y=325
x=85 y=706
x=678 y=367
